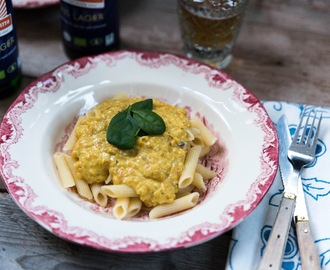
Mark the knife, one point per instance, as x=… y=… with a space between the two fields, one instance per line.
x=273 y=254
x=307 y=249
x=308 y=253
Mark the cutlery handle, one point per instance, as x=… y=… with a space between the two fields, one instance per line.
x=308 y=254
x=273 y=255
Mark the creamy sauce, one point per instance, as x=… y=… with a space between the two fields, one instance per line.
x=152 y=168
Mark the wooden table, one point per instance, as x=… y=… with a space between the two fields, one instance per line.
x=282 y=53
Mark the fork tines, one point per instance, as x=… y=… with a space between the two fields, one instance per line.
x=307 y=137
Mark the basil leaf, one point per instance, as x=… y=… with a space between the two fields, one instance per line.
x=146 y=104
x=142 y=133
x=137 y=120
x=150 y=122
x=122 y=131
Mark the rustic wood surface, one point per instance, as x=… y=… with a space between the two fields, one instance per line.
x=282 y=53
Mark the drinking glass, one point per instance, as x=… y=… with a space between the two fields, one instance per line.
x=209 y=28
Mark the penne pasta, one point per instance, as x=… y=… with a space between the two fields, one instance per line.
x=108 y=180
x=198 y=140
x=72 y=138
x=195 y=131
x=190 y=134
x=134 y=207
x=70 y=162
x=206 y=173
x=205 y=151
x=178 y=205
x=119 y=191
x=99 y=195
x=198 y=181
x=83 y=188
x=195 y=136
x=63 y=170
x=120 y=208
x=208 y=137
x=94 y=158
x=190 y=166
x=184 y=191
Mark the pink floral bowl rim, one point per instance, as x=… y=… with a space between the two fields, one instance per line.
x=36 y=124
x=27 y=4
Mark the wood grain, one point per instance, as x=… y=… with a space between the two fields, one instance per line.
x=273 y=255
x=26 y=245
x=308 y=254
x=282 y=53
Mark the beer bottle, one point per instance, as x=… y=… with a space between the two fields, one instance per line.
x=89 y=26
x=10 y=70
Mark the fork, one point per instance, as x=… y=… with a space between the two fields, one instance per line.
x=301 y=153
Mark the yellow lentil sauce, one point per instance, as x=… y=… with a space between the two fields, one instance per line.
x=152 y=168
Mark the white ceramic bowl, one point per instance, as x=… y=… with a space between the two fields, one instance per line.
x=37 y=124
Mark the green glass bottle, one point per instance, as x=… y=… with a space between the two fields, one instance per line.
x=10 y=68
x=89 y=26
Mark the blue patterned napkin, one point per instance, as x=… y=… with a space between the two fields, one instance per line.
x=250 y=237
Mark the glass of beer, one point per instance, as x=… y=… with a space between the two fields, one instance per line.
x=209 y=28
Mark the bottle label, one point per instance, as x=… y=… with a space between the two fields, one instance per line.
x=9 y=61
x=6 y=24
x=86 y=3
x=90 y=30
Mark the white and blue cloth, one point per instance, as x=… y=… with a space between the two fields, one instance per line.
x=250 y=237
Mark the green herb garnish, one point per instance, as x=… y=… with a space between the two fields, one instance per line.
x=137 y=120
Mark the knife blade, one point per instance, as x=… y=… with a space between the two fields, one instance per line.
x=284 y=138
x=274 y=251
